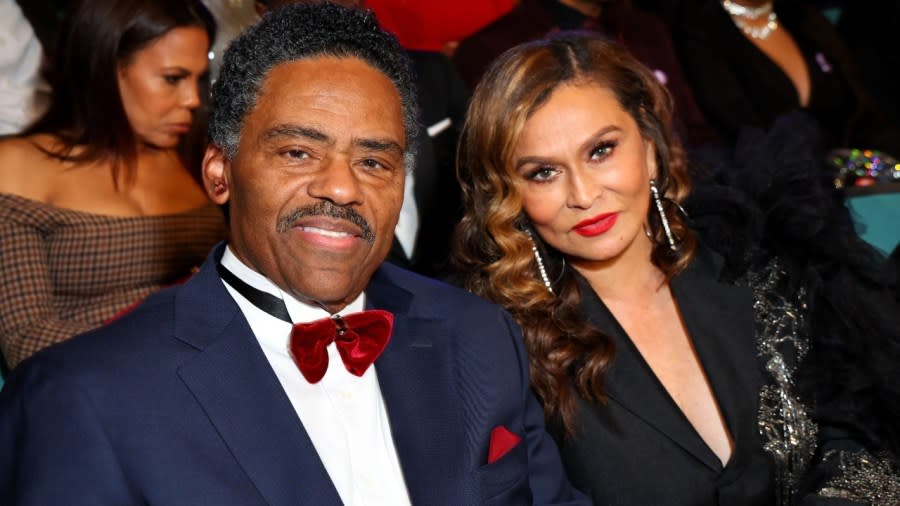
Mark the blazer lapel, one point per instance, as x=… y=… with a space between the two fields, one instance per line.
x=719 y=318
x=632 y=384
x=415 y=374
x=231 y=378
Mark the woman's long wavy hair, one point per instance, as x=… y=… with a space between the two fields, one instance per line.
x=492 y=247
x=96 y=38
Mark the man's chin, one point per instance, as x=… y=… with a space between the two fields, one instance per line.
x=328 y=287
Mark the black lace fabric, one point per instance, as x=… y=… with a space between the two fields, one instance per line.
x=827 y=316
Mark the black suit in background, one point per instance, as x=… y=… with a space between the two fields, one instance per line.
x=443 y=98
x=424 y=168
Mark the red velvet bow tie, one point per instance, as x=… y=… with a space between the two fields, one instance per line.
x=359 y=337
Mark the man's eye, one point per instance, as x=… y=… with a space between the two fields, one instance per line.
x=371 y=163
x=298 y=154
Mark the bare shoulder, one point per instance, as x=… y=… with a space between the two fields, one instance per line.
x=25 y=167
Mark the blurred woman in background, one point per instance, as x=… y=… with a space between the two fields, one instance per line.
x=97 y=206
x=750 y=61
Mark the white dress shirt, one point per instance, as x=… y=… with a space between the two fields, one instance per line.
x=343 y=414
x=408 y=225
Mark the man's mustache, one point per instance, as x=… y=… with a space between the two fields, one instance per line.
x=330 y=210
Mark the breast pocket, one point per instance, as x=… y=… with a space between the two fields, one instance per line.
x=506 y=480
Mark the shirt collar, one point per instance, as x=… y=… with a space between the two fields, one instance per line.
x=300 y=311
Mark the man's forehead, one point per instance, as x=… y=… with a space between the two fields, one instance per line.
x=311 y=91
x=298 y=82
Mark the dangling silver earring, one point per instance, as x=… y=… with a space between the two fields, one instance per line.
x=654 y=192
x=540 y=263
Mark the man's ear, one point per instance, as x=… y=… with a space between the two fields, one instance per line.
x=216 y=172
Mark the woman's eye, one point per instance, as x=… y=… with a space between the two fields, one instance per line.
x=542 y=174
x=173 y=79
x=602 y=150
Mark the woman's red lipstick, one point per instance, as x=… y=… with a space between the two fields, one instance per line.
x=596 y=225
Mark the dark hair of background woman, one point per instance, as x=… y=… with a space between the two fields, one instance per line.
x=492 y=247
x=96 y=37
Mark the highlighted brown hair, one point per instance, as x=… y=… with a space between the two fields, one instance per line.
x=492 y=248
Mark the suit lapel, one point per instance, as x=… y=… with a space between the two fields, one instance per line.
x=632 y=384
x=719 y=319
x=415 y=374
x=231 y=378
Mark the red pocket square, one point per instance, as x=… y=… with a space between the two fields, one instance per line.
x=502 y=441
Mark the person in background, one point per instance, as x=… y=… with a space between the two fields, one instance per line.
x=97 y=208
x=429 y=31
x=210 y=392
x=751 y=61
x=677 y=366
x=642 y=33
x=23 y=92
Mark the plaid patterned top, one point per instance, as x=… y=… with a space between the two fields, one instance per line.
x=64 y=272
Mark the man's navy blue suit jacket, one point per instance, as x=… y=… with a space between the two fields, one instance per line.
x=176 y=404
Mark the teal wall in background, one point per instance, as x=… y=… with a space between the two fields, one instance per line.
x=877 y=219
